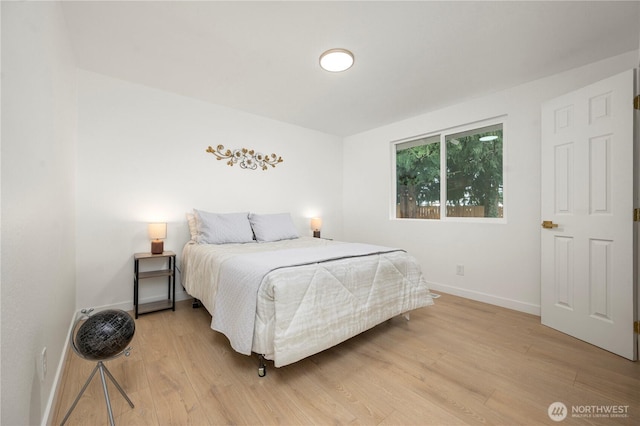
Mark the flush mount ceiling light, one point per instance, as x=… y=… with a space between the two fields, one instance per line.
x=336 y=60
x=488 y=138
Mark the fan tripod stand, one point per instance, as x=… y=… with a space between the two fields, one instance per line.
x=103 y=369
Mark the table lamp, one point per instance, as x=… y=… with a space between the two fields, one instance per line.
x=157 y=232
x=316 y=224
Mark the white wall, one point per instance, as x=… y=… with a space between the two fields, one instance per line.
x=38 y=177
x=501 y=261
x=141 y=158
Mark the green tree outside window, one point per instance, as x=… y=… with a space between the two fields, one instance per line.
x=474 y=175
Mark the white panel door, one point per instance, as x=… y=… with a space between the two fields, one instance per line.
x=587 y=192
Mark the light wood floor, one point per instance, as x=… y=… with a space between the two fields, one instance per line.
x=458 y=362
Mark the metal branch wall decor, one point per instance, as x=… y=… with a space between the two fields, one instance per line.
x=247 y=158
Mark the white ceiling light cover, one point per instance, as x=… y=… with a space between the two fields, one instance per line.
x=336 y=60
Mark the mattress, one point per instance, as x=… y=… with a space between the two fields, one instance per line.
x=303 y=309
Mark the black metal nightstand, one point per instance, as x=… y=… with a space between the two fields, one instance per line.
x=170 y=273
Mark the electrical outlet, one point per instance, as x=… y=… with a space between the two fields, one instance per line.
x=460 y=270
x=43 y=363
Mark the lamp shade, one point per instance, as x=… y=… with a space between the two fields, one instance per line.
x=157 y=231
x=316 y=223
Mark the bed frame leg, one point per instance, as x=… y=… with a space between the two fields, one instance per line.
x=196 y=303
x=262 y=366
x=407 y=316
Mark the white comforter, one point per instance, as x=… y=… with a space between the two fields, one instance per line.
x=304 y=309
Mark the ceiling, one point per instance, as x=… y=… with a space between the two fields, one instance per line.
x=410 y=57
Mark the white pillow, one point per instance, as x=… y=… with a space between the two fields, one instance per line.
x=193 y=227
x=273 y=227
x=223 y=228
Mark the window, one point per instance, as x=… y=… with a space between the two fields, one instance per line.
x=418 y=178
x=452 y=174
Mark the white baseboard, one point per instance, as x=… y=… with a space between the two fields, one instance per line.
x=47 y=417
x=504 y=302
x=128 y=305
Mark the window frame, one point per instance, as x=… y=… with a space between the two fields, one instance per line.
x=443 y=134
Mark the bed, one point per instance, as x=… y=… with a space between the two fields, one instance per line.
x=286 y=297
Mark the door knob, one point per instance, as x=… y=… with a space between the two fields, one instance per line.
x=548 y=224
